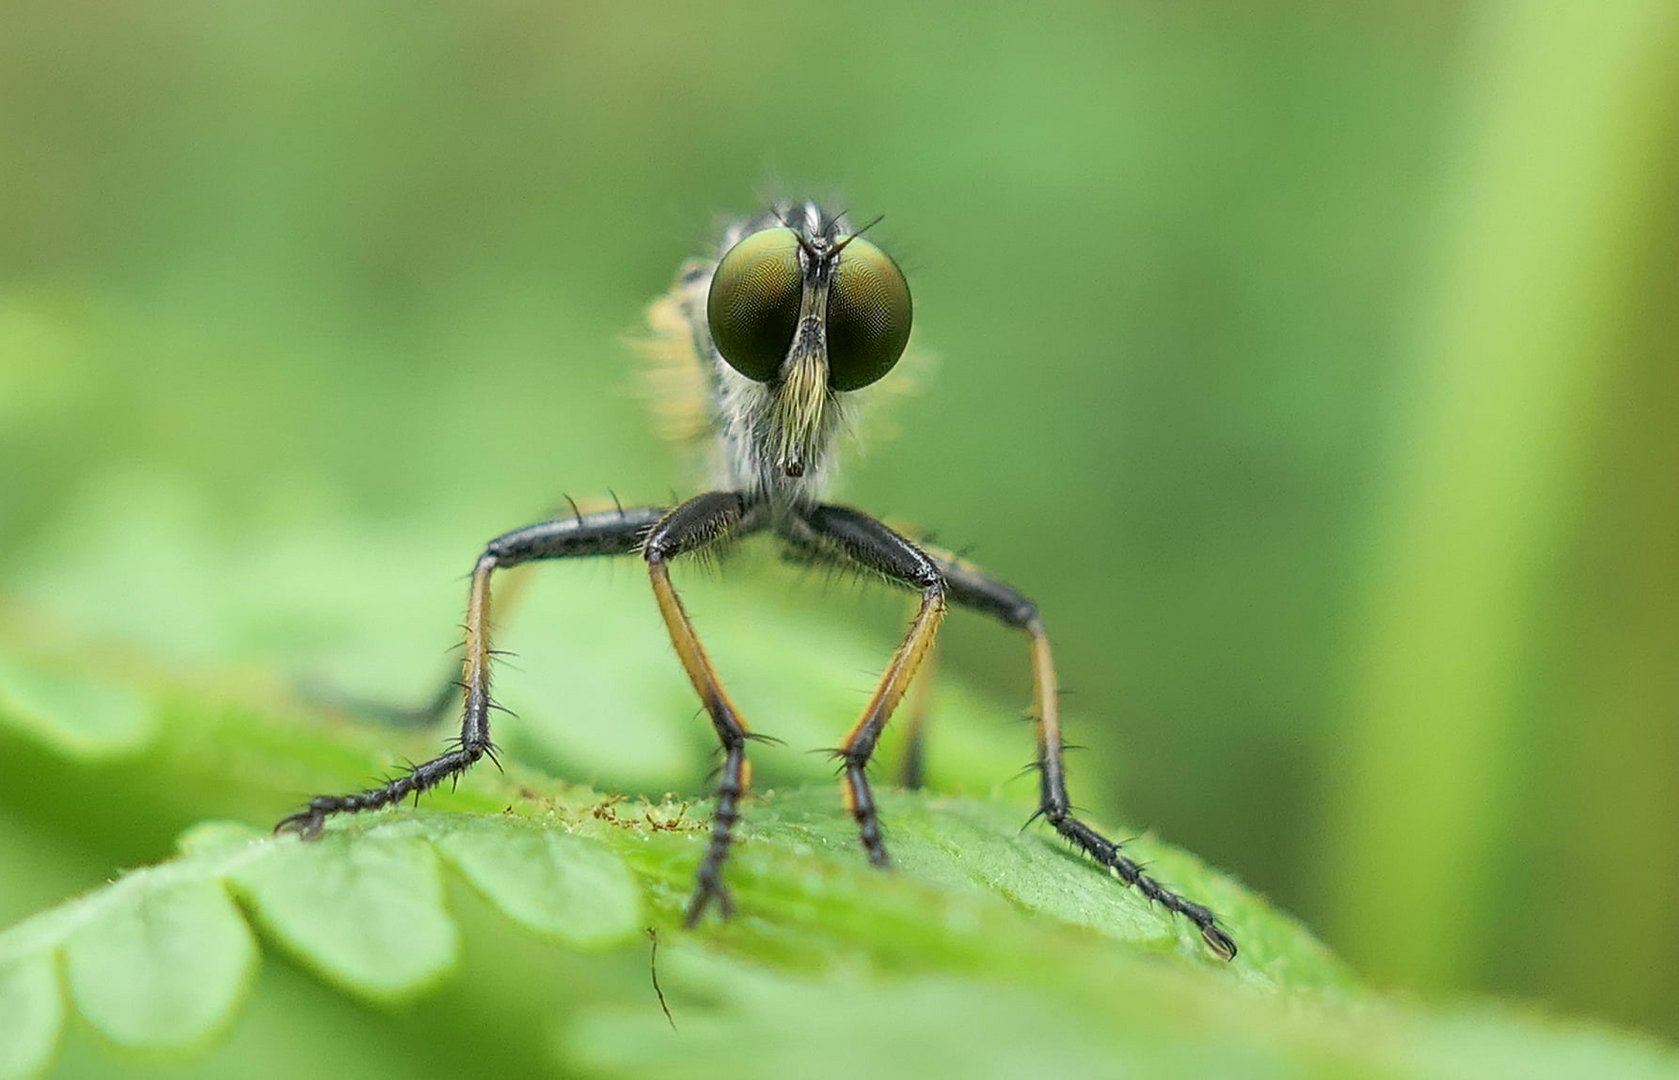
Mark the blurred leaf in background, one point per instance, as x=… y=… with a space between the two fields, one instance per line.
x=1312 y=367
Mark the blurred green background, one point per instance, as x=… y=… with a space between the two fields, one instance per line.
x=1313 y=367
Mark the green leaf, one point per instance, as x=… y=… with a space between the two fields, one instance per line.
x=366 y=912
x=163 y=968
x=31 y=1013
x=736 y=1017
x=161 y=959
x=548 y=882
x=845 y=1027
x=987 y=949
x=950 y=964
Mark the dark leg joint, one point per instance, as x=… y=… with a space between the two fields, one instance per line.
x=694 y=524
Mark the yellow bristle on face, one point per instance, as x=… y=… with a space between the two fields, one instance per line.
x=799 y=404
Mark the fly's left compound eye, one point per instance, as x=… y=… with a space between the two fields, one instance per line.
x=868 y=316
x=753 y=306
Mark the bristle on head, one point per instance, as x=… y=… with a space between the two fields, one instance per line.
x=800 y=402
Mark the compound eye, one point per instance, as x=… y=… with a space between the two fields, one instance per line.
x=753 y=306
x=868 y=316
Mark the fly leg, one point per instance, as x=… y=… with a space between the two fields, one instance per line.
x=972 y=588
x=608 y=532
x=805 y=547
x=866 y=542
x=694 y=524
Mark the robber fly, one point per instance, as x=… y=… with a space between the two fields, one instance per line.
x=796 y=313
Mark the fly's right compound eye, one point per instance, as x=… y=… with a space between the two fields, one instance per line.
x=869 y=314
x=753 y=306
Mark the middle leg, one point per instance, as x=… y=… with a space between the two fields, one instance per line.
x=609 y=533
x=700 y=521
x=972 y=588
x=867 y=542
